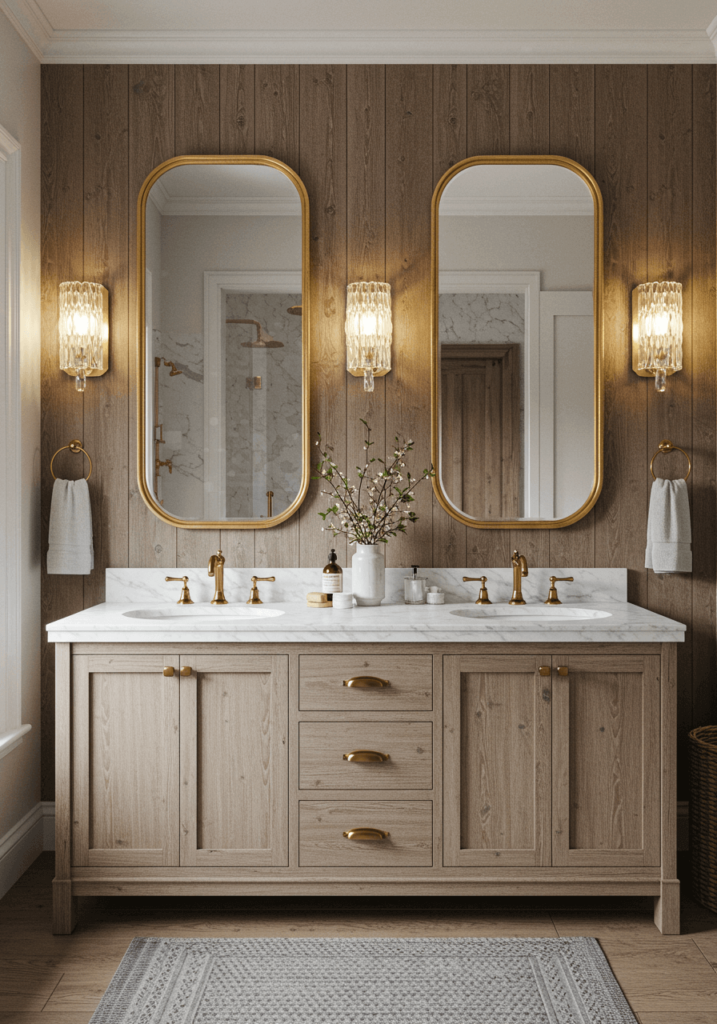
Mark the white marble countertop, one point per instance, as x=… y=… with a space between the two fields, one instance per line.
x=388 y=623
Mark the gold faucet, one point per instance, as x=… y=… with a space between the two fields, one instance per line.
x=483 y=596
x=216 y=569
x=520 y=568
x=184 y=597
x=254 y=595
x=552 y=593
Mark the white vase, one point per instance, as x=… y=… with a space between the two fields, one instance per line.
x=368 y=574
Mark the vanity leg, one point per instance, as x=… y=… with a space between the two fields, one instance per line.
x=667 y=907
x=64 y=907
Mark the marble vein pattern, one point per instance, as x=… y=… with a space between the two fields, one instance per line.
x=481 y=318
x=263 y=425
x=130 y=591
x=181 y=413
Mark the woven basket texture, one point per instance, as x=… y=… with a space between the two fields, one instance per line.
x=703 y=814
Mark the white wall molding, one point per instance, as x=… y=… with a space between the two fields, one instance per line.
x=79 y=46
x=227 y=206
x=517 y=206
x=24 y=842
x=10 y=453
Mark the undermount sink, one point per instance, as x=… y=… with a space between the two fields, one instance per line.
x=534 y=613
x=203 y=612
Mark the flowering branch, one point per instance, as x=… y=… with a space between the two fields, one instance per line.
x=383 y=509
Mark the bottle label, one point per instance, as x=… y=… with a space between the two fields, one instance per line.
x=332 y=582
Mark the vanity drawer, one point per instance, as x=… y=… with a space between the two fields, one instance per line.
x=407 y=682
x=322 y=746
x=322 y=842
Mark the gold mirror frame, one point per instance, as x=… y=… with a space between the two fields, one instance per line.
x=521 y=524
x=161 y=513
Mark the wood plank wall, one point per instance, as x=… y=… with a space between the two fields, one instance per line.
x=370 y=143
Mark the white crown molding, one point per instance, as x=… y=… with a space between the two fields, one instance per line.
x=227 y=206
x=345 y=47
x=519 y=206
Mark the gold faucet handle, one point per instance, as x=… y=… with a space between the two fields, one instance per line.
x=553 y=593
x=254 y=595
x=483 y=595
x=184 y=597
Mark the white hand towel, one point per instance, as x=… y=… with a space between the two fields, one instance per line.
x=70 y=549
x=669 y=534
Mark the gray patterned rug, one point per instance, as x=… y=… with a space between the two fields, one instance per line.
x=363 y=981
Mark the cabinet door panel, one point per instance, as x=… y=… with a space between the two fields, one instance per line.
x=234 y=786
x=125 y=761
x=496 y=761
x=606 y=761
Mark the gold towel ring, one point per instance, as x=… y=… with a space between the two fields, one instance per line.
x=75 y=447
x=664 y=448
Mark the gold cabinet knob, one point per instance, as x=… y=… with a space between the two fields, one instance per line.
x=185 y=670
x=168 y=671
x=366 y=833
x=366 y=682
x=544 y=670
x=366 y=755
x=562 y=670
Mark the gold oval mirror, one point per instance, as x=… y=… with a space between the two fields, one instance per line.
x=517 y=378
x=223 y=329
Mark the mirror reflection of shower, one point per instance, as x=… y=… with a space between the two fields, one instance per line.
x=263 y=413
x=160 y=463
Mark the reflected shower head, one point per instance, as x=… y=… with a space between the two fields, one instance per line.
x=263 y=338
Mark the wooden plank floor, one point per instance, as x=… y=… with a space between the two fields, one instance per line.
x=46 y=979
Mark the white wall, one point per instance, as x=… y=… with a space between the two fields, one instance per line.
x=20 y=115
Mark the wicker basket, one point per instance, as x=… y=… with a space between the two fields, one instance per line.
x=703 y=814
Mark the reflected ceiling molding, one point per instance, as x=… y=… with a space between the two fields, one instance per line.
x=524 y=206
x=114 y=46
x=221 y=206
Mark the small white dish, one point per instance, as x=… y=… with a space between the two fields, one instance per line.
x=343 y=601
x=432 y=598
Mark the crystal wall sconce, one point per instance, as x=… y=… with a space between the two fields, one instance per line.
x=84 y=330
x=657 y=330
x=369 y=329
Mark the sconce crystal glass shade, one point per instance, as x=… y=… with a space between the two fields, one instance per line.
x=368 y=330
x=657 y=330
x=84 y=330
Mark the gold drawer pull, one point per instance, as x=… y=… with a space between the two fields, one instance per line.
x=562 y=670
x=366 y=755
x=544 y=670
x=366 y=833
x=185 y=670
x=169 y=671
x=366 y=682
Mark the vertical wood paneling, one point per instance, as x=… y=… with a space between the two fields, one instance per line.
x=704 y=281
x=106 y=435
x=530 y=134
x=323 y=170
x=409 y=187
x=277 y=118
x=488 y=103
x=365 y=240
x=370 y=143
x=449 y=146
x=61 y=405
x=572 y=134
x=669 y=154
x=237 y=136
x=621 y=172
x=196 y=132
x=151 y=142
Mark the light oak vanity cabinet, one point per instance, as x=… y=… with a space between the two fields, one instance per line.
x=278 y=769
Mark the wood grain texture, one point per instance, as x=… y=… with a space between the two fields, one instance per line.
x=365 y=239
x=399 y=134
x=322 y=824
x=497 y=761
x=233 y=803
x=322 y=745
x=61 y=405
x=151 y=142
x=409 y=187
x=323 y=170
x=321 y=682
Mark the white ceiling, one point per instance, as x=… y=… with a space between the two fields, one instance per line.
x=371 y=30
